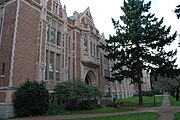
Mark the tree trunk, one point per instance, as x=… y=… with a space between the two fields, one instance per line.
x=140 y=91
x=139 y=70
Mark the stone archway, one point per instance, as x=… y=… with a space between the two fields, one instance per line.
x=90 y=78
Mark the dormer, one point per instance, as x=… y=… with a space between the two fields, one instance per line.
x=86 y=17
x=55 y=7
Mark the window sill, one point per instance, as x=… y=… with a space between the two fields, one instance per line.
x=2 y=76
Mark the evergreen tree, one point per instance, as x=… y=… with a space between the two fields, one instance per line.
x=139 y=44
x=177 y=11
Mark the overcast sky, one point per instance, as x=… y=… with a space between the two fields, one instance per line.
x=103 y=10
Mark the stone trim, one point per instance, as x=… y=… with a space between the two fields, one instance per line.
x=14 y=43
x=32 y=5
x=6 y=110
x=2 y=24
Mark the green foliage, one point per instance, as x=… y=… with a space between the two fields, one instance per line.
x=151 y=93
x=173 y=101
x=139 y=44
x=137 y=116
x=32 y=98
x=170 y=84
x=54 y=109
x=68 y=93
x=88 y=104
x=148 y=93
x=148 y=101
x=94 y=92
x=177 y=115
x=177 y=11
x=96 y=111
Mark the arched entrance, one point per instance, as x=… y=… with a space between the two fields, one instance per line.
x=90 y=78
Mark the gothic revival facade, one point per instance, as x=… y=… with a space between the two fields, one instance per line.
x=38 y=42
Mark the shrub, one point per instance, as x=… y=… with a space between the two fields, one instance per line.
x=54 y=109
x=88 y=104
x=93 y=92
x=70 y=92
x=148 y=93
x=151 y=93
x=32 y=98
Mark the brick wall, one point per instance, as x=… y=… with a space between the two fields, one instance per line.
x=7 y=41
x=78 y=55
x=2 y=96
x=26 y=45
x=49 y=4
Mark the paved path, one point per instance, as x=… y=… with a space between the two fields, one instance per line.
x=166 y=112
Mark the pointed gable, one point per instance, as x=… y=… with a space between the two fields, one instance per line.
x=86 y=17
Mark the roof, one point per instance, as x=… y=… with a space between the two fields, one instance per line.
x=73 y=17
x=2 y=1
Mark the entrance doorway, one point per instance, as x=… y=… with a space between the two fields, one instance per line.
x=90 y=78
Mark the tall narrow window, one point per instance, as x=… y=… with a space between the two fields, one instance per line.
x=47 y=65
x=97 y=51
x=85 y=43
x=69 y=64
x=48 y=33
x=69 y=43
x=58 y=38
x=94 y=49
x=53 y=35
x=51 y=66
x=57 y=67
x=3 y=69
x=1 y=18
x=91 y=48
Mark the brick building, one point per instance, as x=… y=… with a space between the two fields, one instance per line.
x=38 y=42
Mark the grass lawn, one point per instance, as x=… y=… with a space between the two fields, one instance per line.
x=173 y=101
x=177 y=115
x=139 y=116
x=148 y=101
x=95 y=111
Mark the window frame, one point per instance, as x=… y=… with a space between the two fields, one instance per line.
x=58 y=38
x=55 y=7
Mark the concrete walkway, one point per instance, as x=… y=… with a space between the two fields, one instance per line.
x=166 y=112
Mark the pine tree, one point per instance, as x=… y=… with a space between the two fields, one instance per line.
x=177 y=11
x=139 y=44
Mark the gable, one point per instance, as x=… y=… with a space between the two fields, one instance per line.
x=86 y=17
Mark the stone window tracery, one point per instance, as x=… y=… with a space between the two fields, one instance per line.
x=85 y=43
